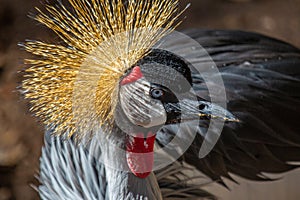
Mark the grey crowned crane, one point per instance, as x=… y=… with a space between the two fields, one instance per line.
x=131 y=113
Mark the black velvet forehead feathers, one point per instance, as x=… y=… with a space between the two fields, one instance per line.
x=166 y=69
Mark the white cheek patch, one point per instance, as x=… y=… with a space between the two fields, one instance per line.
x=139 y=107
x=157 y=115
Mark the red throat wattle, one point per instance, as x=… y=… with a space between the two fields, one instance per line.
x=140 y=155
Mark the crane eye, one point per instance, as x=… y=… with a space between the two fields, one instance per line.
x=156 y=93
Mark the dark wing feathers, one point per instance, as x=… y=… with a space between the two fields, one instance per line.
x=262 y=81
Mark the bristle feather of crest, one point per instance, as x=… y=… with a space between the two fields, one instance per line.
x=73 y=87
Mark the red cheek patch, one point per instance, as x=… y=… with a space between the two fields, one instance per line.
x=134 y=75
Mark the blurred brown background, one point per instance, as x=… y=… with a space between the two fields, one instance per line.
x=21 y=134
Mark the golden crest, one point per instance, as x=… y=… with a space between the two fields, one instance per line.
x=72 y=86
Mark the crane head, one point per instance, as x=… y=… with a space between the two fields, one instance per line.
x=155 y=92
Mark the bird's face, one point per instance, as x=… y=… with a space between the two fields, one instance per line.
x=150 y=105
x=140 y=102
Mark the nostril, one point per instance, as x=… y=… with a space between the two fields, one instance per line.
x=201 y=106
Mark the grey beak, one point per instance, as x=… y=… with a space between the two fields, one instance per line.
x=192 y=110
x=215 y=111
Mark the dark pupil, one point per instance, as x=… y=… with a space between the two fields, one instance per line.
x=156 y=93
